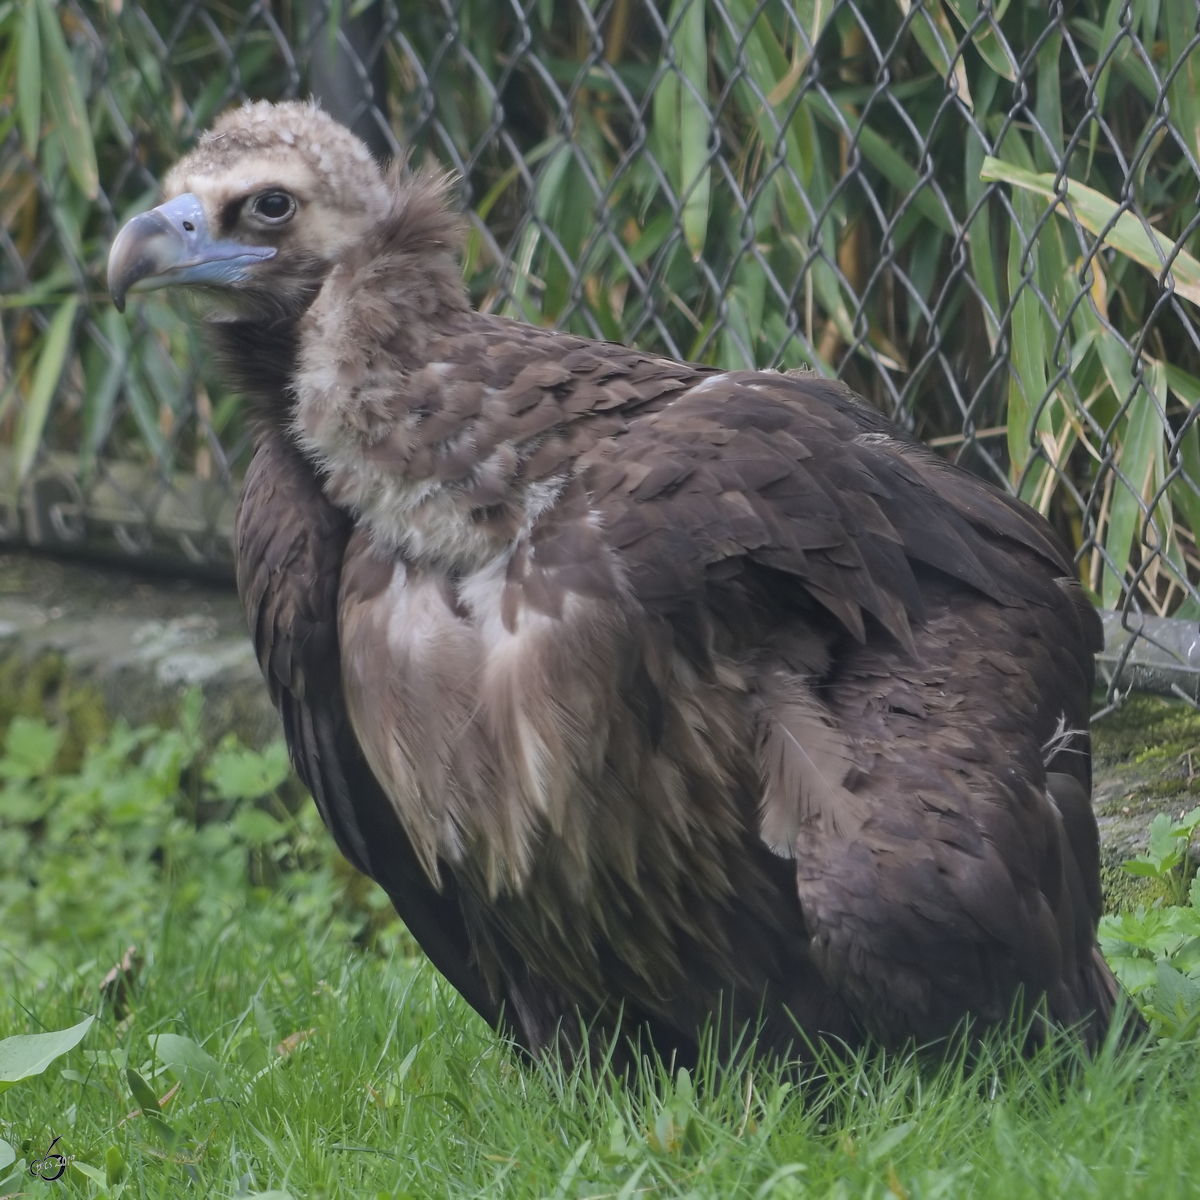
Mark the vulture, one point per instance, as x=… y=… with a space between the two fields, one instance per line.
x=665 y=702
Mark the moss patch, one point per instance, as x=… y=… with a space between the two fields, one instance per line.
x=43 y=686
x=1146 y=760
x=1147 y=728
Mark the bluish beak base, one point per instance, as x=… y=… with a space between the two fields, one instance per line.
x=172 y=244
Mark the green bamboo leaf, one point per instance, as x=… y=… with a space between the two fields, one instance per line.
x=45 y=383
x=1143 y=435
x=743 y=318
x=813 y=16
x=936 y=39
x=29 y=78
x=1185 y=488
x=666 y=124
x=1109 y=33
x=694 y=123
x=879 y=153
x=767 y=65
x=1180 y=20
x=104 y=375
x=1027 y=383
x=1124 y=58
x=927 y=37
x=1094 y=211
x=66 y=102
x=549 y=187
x=983 y=262
x=1048 y=108
x=986 y=42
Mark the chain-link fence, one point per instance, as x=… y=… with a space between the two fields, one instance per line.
x=982 y=215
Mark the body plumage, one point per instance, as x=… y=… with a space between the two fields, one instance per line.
x=651 y=693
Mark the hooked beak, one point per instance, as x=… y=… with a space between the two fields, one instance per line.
x=172 y=244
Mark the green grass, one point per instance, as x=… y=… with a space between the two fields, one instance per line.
x=335 y=1063
x=398 y=1089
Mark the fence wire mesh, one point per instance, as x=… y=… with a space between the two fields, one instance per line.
x=983 y=216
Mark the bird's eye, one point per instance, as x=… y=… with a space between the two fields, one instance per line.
x=275 y=207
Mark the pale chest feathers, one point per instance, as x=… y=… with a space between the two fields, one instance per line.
x=487 y=728
x=415 y=457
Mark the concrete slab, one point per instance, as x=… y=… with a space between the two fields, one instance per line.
x=141 y=641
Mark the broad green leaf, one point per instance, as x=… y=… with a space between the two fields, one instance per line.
x=240 y=774
x=29 y=78
x=142 y=1092
x=567 y=1178
x=1094 y=212
x=7 y=1155
x=45 y=383
x=89 y=1172
x=516 y=306
x=183 y=1055
x=1134 y=973
x=1176 y=994
x=1143 y=434
x=650 y=239
x=257 y=827
x=114 y=1166
x=1163 y=846
x=66 y=102
x=30 y=1054
x=30 y=748
x=887 y=1142
x=1143 y=867
x=744 y=316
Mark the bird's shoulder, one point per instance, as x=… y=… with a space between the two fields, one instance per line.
x=694 y=474
x=688 y=472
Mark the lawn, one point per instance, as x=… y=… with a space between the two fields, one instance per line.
x=276 y=1035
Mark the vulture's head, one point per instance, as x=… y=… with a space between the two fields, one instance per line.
x=256 y=214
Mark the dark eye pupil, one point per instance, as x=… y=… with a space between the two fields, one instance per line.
x=274 y=206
